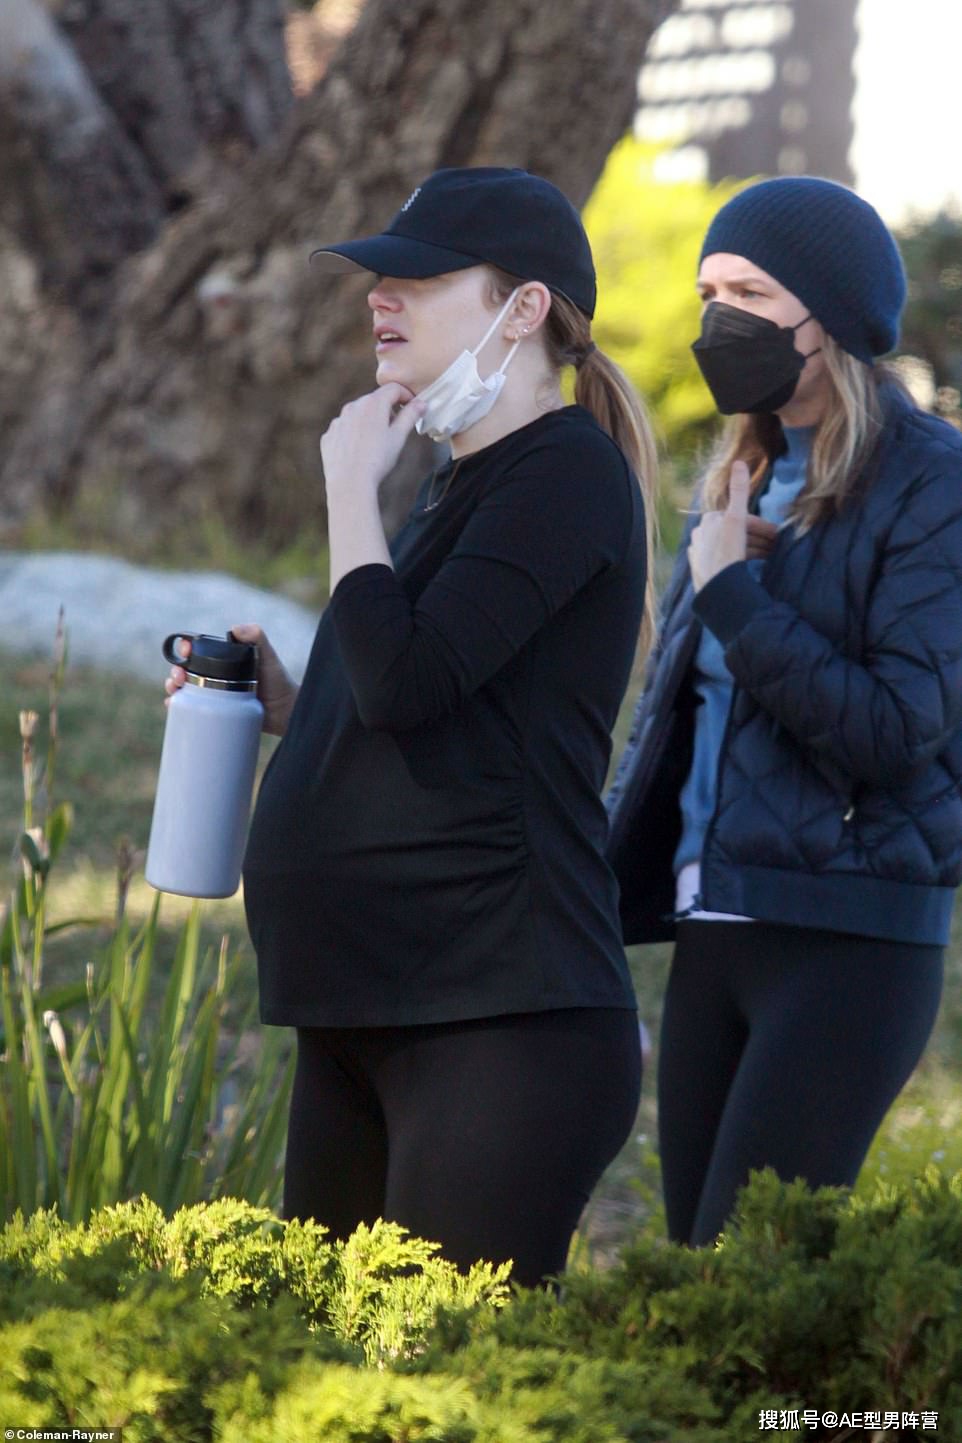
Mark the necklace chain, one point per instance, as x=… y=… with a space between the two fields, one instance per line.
x=434 y=501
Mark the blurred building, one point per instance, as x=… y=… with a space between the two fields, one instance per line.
x=752 y=88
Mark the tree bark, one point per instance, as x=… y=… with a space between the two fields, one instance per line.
x=198 y=396
x=190 y=81
x=73 y=188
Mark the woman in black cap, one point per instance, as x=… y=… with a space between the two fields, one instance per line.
x=788 y=807
x=425 y=881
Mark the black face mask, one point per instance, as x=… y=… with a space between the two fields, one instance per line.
x=749 y=363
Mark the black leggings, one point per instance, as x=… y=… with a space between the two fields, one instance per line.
x=781 y=1047
x=486 y=1136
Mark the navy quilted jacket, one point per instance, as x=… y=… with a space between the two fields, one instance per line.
x=840 y=781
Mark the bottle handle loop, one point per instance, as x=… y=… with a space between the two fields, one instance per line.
x=168 y=647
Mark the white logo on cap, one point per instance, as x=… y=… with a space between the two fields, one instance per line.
x=411 y=199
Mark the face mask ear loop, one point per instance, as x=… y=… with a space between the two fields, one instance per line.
x=494 y=326
x=806 y=355
x=508 y=358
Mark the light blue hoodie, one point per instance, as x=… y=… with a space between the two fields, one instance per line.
x=713 y=683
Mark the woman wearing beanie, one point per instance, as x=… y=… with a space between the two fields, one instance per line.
x=425 y=880
x=788 y=807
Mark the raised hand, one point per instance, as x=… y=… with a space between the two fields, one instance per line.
x=361 y=445
x=723 y=537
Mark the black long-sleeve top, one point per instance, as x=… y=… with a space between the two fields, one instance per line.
x=428 y=842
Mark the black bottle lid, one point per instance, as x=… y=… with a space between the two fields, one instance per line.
x=216 y=657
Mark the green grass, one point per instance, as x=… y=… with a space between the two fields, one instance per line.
x=110 y=738
x=111 y=731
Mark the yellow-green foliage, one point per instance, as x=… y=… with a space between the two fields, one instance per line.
x=225 y=1323
x=378 y=1291
x=646 y=236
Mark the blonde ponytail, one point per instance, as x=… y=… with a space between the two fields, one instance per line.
x=604 y=390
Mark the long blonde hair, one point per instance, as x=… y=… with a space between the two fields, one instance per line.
x=845 y=438
x=603 y=389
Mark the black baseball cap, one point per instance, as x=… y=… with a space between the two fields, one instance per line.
x=467 y=216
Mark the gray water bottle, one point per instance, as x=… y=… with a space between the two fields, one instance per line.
x=207 y=765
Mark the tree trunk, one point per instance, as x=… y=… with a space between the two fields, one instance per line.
x=195 y=393
x=63 y=154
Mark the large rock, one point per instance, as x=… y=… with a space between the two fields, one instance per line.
x=117 y=615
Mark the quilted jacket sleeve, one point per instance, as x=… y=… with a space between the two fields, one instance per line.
x=883 y=715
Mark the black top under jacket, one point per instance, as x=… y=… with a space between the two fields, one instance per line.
x=839 y=798
x=428 y=842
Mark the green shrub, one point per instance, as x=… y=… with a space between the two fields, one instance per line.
x=378 y=1291
x=814 y=1300
x=147 y=1361
x=222 y=1322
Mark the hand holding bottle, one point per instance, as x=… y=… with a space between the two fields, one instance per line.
x=276 y=688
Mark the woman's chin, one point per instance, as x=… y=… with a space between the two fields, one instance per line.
x=387 y=371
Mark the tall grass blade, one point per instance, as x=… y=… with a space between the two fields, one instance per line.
x=104 y=1092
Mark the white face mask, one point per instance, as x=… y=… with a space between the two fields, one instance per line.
x=459 y=397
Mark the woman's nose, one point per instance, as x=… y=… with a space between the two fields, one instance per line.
x=381 y=296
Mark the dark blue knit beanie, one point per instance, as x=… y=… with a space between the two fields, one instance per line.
x=828 y=247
